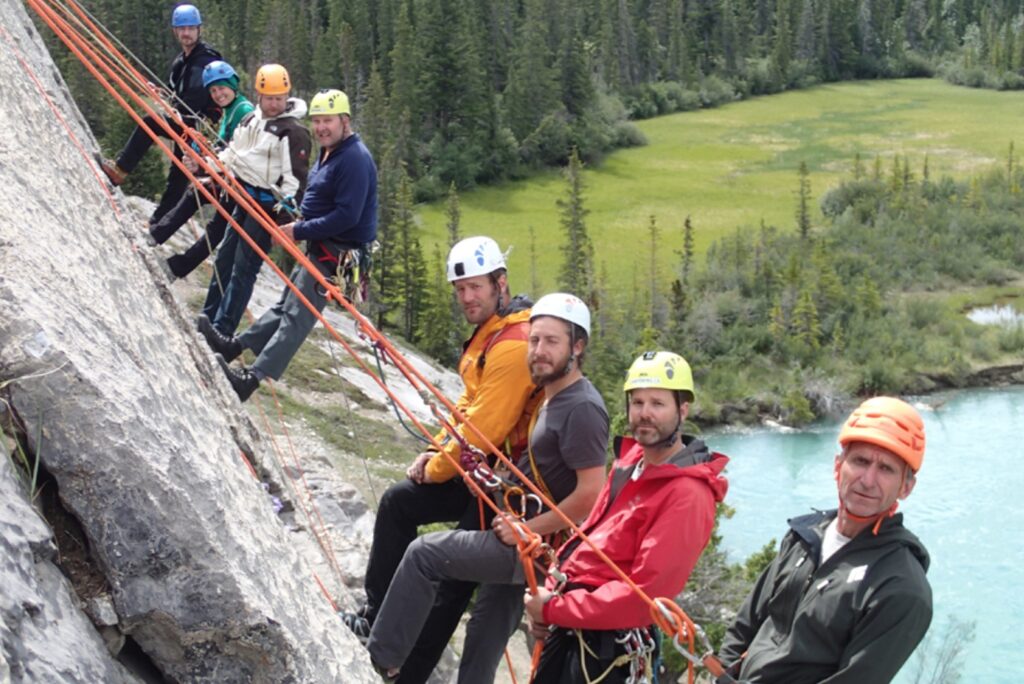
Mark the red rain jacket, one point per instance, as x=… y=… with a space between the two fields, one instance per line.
x=655 y=530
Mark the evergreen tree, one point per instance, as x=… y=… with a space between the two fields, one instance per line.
x=803 y=211
x=577 y=88
x=533 y=90
x=436 y=338
x=373 y=117
x=688 y=250
x=411 y=269
x=386 y=287
x=455 y=321
x=534 y=279
x=806 y=33
x=655 y=319
x=806 y=325
x=868 y=298
x=576 y=274
x=404 y=92
x=782 y=52
x=777 y=326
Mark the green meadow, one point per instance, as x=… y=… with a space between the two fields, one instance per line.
x=733 y=167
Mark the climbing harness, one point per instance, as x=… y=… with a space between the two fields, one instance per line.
x=638 y=649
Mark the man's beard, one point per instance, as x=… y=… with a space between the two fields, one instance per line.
x=541 y=379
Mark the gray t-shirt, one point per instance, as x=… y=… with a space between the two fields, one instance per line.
x=571 y=433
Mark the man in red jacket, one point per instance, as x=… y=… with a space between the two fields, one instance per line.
x=653 y=518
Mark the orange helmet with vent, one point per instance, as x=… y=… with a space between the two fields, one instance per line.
x=890 y=423
x=272 y=79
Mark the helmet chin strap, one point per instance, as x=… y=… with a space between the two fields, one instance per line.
x=671 y=439
x=572 y=351
x=877 y=519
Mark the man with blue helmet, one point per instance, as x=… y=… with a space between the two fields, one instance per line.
x=190 y=98
x=222 y=81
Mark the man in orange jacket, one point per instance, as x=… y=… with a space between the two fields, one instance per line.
x=498 y=400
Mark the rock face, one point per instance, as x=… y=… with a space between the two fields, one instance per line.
x=178 y=547
x=45 y=637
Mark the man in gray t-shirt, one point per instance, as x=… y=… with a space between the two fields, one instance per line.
x=570 y=434
x=565 y=460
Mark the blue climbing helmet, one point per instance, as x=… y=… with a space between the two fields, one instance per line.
x=220 y=71
x=186 y=15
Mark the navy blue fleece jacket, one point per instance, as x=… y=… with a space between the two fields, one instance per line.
x=340 y=204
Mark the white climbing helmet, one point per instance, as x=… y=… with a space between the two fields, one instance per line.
x=562 y=305
x=474 y=256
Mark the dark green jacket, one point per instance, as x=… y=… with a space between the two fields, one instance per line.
x=853 y=620
x=232 y=116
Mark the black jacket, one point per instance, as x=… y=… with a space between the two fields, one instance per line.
x=854 y=619
x=186 y=81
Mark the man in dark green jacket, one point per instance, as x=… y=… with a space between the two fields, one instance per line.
x=846 y=600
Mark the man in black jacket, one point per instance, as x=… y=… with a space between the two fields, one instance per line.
x=191 y=100
x=846 y=600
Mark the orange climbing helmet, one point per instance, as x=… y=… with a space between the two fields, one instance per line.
x=890 y=423
x=272 y=79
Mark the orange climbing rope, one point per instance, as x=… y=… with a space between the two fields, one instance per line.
x=310 y=511
x=60 y=117
x=673 y=621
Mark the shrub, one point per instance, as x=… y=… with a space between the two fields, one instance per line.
x=548 y=144
x=626 y=134
x=916 y=65
x=715 y=91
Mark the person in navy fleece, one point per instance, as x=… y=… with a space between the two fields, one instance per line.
x=339 y=214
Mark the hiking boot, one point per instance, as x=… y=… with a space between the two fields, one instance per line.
x=228 y=347
x=114 y=173
x=242 y=380
x=357 y=624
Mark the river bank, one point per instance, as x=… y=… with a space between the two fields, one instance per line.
x=759 y=411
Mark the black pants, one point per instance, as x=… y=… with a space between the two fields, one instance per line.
x=560 y=659
x=138 y=144
x=180 y=213
x=189 y=260
x=404 y=506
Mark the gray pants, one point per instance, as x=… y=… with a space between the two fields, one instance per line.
x=463 y=555
x=278 y=334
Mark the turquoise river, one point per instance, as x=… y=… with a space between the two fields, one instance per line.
x=967 y=508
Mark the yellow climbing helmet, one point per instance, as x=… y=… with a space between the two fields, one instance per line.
x=662 y=370
x=272 y=79
x=329 y=101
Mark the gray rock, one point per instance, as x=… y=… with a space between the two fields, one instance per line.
x=138 y=430
x=43 y=635
x=101 y=610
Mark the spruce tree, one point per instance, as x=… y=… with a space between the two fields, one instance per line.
x=372 y=119
x=654 y=237
x=411 y=268
x=576 y=274
x=456 y=322
x=803 y=211
x=806 y=325
x=533 y=89
x=386 y=286
x=436 y=337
